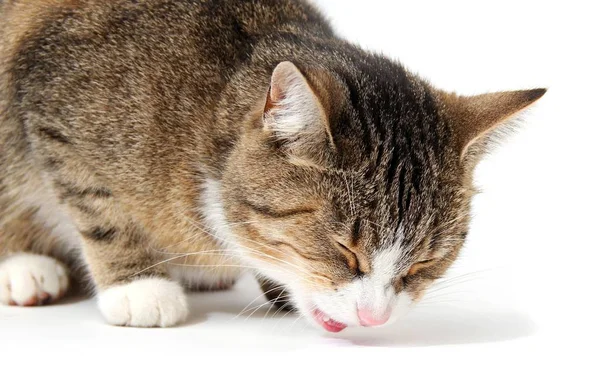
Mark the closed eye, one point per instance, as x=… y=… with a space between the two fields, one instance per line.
x=419 y=266
x=291 y=248
x=278 y=214
x=352 y=259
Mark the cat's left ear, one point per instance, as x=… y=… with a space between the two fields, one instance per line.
x=474 y=119
x=294 y=112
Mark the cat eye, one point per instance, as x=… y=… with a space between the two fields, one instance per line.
x=269 y=212
x=416 y=267
x=351 y=257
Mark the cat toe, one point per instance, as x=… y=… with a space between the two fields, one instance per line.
x=32 y=280
x=152 y=302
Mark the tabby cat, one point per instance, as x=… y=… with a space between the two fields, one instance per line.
x=154 y=145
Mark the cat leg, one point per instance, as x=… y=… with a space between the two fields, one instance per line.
x=32 y=271
x=29 y=280
x=133 y=286
x=35 y=250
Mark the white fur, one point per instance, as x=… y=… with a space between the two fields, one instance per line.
x=374 y=292
x=151 y=302
x=214 y=216
x=403 y=303
x=52 y=215
x=39 y=196
x=24 y=276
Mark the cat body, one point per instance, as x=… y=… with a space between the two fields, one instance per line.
x=150 y=145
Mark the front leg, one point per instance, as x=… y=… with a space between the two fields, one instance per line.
x=132 y=289
x=133 y=286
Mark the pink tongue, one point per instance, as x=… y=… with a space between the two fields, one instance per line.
x=329 y=325
x=333 y=326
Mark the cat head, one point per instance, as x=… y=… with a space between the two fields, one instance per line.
x=351 y=186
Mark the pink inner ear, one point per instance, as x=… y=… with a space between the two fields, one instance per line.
x=287 y=78
x=269 y=104
x=283 y=76
x=276 y=94
x=292 y=107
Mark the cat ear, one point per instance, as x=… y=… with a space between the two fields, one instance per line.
x=475 y=118
x=293 y=111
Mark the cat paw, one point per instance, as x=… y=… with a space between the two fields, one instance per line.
x=152 y=302
x=31 y=280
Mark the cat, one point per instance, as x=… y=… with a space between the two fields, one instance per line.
x=155 y=145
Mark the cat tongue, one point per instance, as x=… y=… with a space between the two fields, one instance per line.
x=327 y=322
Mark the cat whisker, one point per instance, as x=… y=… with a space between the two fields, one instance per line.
x=278 y=299
x=452 y=282
x=434 y=304
x=468 y=274
x=215 y=266
x=242 y=223
x=197 y=234
x=443 y=295
x=246 y=308
x=300 y=316
x=282 y=317
x=387 y=229
x=296 y=321
x=255 y=310
x=168 y=261
x=189 y=239
x=352 y=197
x=279 y=319
x=352 y=207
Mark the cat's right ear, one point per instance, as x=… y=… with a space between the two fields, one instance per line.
x=294 y=114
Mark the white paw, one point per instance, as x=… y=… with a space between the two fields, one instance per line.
x=28 y=280
x=144 y=303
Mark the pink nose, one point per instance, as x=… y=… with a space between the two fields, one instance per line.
x=367 y=318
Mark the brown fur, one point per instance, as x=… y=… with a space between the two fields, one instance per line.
x=117 y=115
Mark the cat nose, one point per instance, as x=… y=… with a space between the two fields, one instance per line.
x=366 y=317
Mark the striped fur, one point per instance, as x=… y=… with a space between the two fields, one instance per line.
x=120 y=115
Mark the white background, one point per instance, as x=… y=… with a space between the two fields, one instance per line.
x=525 y=303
